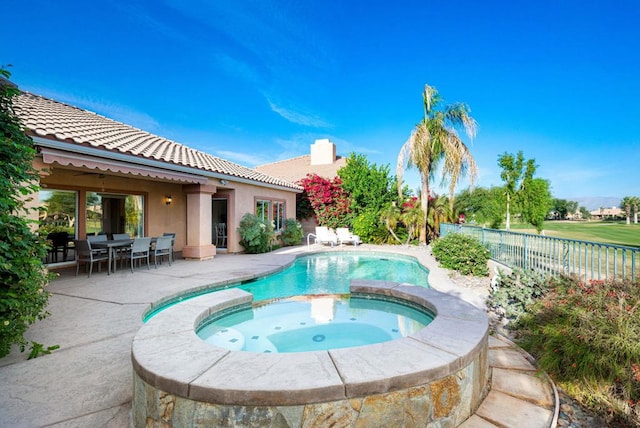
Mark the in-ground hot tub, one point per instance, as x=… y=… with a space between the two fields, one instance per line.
x=436 y=375
x=313 y=323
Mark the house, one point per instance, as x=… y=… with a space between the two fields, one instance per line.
x=603 y=213
x=98 y=175
x=322 y=160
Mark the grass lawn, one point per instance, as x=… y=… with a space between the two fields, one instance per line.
x=609 y=232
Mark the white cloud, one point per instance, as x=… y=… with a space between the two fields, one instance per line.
x=236 y=68
x=298 y=117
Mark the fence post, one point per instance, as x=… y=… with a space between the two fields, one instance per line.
x=565 y=256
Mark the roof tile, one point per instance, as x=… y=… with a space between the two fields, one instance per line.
x=55 y=120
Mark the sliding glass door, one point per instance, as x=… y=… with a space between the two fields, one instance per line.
x=109 y=213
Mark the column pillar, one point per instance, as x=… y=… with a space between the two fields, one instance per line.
x=199 y=245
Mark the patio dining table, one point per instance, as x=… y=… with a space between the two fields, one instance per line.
x=112 y=246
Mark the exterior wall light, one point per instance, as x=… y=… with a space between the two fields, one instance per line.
x=224 y=182
x=168 y=200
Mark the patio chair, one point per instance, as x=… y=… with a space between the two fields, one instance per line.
x=95 y=238
x=59 y=244
x=323 y=235
x=140 y=249
x=221 y=234
x=85 y=254
x=346 y=237
x=162 y=248
x=121 y=253
x=173 y=241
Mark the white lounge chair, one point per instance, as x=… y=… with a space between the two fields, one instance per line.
x=346 y=237
x=323 y=235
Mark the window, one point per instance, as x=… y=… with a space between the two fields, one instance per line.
x=58 y=211
x=278 y=215
x=273 y=211
x=58 y=223
x=112 y=213
x=262 y=209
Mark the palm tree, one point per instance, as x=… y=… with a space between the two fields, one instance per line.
x=441 y=211
x=435 y=141
x=626 y=204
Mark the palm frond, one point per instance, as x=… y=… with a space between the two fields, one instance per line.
x=457 y=116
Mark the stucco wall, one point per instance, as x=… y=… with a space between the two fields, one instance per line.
x=245 y=202
x=160 y=217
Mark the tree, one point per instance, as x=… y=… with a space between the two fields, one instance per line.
x=368 y=184
x=22 y=275
x=370 y=189
x=627 y=204
x=584 y=212
x=516 y=174
x=536 y=202
x=481 y=205
x=403 y=222
x=563 y=207
x=435 y=142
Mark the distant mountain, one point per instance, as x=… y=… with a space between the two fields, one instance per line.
x=595 y=202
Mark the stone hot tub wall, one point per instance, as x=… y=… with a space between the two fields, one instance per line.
x=437 y=375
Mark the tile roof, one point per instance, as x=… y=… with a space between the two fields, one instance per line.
x=52 y=119
x=297 y=168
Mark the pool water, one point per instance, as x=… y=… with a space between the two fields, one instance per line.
x=321 y=273
x=331 y=273
x=313 y=323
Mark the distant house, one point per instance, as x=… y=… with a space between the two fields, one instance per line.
x=604 y=213
x=98 y=175
x=322 y=160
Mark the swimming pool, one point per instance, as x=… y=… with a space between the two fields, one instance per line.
x=331 y=273
x=320 y=273
x=313 y=323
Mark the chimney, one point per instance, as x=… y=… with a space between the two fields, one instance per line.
x=323 y=152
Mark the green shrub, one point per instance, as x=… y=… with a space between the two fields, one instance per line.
x=587 y=337
x=256 y=235
x=513 y=294
x=291 y=233
x=462 y=253
x=367 y=227
x=23 y=298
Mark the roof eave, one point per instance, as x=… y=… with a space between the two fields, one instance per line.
x=108 y=154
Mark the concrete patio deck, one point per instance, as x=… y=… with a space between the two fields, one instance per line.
x=88 y=381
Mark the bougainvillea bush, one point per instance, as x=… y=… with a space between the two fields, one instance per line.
x=586 y=335
x=329 y=202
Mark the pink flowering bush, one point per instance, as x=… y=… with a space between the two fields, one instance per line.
x=586 y=335
x=328 y=202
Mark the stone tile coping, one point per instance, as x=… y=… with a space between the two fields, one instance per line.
x=167 y=353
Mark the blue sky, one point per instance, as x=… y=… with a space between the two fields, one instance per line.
x=259 y=81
